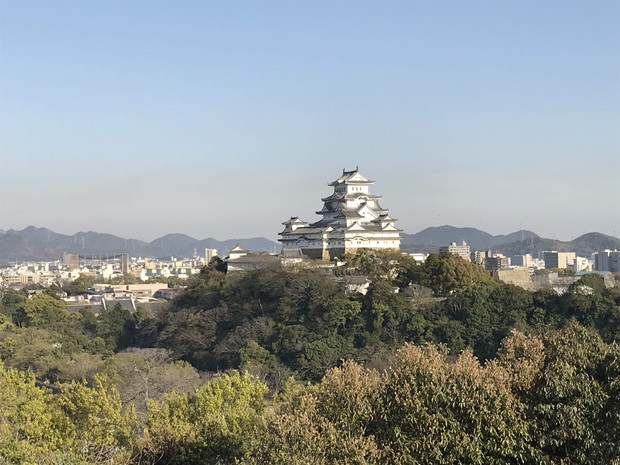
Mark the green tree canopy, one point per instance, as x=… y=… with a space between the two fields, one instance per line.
x=446 y=273
x=212 y=426
x=42 y=311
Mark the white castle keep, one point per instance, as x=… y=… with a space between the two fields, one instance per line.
x=352 y=219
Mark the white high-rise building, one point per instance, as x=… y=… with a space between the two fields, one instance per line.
x=209 y=254
x=462 y=250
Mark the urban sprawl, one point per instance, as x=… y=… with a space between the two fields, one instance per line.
x=352 y=220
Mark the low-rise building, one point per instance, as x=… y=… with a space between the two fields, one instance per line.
x=252 y=261
x=136 y=290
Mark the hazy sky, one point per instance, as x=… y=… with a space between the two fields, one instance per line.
x=223 y=119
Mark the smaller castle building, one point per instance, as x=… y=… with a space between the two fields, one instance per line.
x=351 y=219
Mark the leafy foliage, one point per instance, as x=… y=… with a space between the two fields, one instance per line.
x=447 y=273
x=397 y=372
x=210 y=426
x=30 y=426
x=101 y=431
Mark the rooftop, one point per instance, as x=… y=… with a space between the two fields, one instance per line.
x=351 y=177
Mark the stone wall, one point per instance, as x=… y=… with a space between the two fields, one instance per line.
x=519 y=278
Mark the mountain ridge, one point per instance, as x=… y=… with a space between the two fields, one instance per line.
x=531 y=243
x=33 y=243
x=584 y=245
x=438 y=236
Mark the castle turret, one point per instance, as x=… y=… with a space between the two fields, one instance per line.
x=351 y=218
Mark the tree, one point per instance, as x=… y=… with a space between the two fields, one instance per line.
x=31 y=426
x=212 y=426
x=435 y=409
x=55 y=291
x=384 y=310
x=522 y=357
x=126 y=278
x=568 y=380
x=79 y=284
x=142 y=375
x=157 y=279
x=42 y=311
x=30 y=349
x=259 y=362
x=217 y=264
x=320 y=355
x=102 y=432
x=589 y=302
x=117 y=327
x=349 y=397
x=80 y=366
x=488 y=311
x=10 y=301
x=390 y=265
x=322 y=424
x=190 y=334
x=446 y=273
x=573 y=398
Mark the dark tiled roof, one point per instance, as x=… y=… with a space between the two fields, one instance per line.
x=326 y=209
x=346 y=175
x=324 y=223
x=350 y=214
x=319 y=226
x=354 y=195
x=334 y=196
x=294 y=220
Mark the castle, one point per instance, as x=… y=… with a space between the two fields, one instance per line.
x=352 y=219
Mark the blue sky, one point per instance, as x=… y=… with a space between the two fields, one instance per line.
x=223 y=119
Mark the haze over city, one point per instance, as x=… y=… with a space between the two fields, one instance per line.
x=223 y=119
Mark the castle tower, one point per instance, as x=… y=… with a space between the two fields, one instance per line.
x=351 y=219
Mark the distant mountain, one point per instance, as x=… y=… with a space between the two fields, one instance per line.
x=430 y=239
x=583 y=245
x=517 y=243
x=16 y=247
x=34 y=243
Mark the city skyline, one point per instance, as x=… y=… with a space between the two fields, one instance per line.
x=224 y=119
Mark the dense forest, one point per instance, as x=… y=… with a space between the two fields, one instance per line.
x=435 y=363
